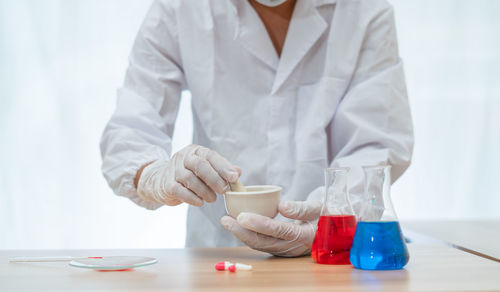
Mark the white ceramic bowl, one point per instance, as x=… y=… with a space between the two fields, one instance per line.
x=262 y=200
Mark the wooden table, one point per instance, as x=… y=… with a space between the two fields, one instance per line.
x=478 y=237
x=431 y=268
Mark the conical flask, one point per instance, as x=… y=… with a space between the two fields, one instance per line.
x=337 y=223
x=378 y=243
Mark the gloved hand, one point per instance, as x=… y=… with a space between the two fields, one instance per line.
x=276 y=237
x=193 y=175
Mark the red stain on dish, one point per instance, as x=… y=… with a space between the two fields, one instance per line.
x=95 y=257
x=122 y=270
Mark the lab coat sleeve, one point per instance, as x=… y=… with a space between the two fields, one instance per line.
x=141 y=127
x=373 y=124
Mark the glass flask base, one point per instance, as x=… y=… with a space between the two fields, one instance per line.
x=333 y=239
x=379 y=246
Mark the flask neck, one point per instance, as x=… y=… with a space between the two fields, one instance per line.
x=336 y=201
x=377 y=204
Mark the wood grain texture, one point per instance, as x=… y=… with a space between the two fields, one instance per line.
x=480 y=237
x=431 y=268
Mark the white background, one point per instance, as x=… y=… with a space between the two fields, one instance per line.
x=62 y=61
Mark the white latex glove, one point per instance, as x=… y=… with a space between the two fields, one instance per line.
x=193 y=175
x=276 y=237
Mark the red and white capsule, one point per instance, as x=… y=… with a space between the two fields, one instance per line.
x=223 y=266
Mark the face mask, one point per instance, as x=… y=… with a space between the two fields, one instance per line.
x=271 y=3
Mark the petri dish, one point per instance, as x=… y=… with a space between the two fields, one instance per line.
x=113 y=263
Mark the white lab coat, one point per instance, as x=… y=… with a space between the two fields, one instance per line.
x=336 y=97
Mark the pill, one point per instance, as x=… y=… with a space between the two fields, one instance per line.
x=228 y=266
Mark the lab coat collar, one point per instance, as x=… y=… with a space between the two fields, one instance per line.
x=253 y=34
x=306 y=27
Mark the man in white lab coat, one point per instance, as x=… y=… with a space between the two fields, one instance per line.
x=281 y=89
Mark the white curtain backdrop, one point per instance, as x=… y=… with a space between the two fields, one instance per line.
x=451 y=51
x=62 y=61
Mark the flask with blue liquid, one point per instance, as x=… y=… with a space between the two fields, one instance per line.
x=378 y=242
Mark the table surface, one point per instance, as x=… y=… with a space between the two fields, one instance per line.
x=431 y=268
x=479 y=237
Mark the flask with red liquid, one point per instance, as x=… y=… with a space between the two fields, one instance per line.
x=337 y=223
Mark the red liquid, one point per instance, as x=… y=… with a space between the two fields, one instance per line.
x=333 y=239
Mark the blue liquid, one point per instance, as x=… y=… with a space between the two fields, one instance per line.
x=378 y=246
